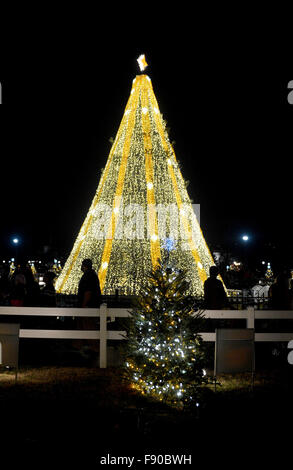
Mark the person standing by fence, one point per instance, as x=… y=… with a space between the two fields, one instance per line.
x=89 y=295
x=215 y=296
x=89 y=292
x=18 y=290
x=279 y=293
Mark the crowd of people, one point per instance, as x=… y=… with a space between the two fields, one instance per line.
x=21 y=289
x=280 y=293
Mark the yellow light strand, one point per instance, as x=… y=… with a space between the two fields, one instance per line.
x=199 y=228
x=119 y=189
x=87 y=223
x=196 y=221
x=146 y=128
x=201 y=272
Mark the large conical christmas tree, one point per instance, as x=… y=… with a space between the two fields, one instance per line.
x=141 y=209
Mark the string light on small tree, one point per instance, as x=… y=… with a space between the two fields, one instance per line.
x=165 y=358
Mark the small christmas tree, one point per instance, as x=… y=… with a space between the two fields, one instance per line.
x=33 y=269
x=165 y=357
x=12 y=268
x=269 y=275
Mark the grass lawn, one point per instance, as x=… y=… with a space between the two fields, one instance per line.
x=81 y=413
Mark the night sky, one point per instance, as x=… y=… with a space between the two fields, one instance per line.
x=224 y=98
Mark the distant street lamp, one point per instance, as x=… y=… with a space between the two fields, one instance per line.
x=15 y=242
x=245 y=238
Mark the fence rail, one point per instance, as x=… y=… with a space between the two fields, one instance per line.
x=103 y=334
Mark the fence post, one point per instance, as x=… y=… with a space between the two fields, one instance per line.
x=250 y=317
x=103 y=336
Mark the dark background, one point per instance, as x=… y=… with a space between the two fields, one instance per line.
x=223 y=91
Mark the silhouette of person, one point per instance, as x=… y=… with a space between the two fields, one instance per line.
x=18 y=291
x=279 y=293
x=5 y=286
x=89 y=292
x=32 y=288
x=214 y=293
x=48 y=293
x=89 y=295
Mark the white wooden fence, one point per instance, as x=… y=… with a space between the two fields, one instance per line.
x=103 y=334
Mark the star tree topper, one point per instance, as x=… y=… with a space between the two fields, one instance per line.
x=142 y=62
